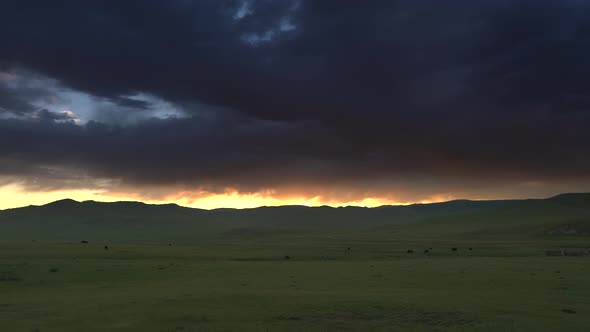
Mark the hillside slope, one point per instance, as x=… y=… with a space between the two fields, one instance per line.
x=71 y=220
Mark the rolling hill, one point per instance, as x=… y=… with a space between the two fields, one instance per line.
x=566 y=214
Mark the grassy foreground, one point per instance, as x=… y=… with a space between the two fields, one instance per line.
x=357 y=279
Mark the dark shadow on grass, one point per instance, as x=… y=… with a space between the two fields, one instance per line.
x=9 y=276
x=395 y=315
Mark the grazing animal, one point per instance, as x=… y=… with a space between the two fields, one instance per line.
x=410 y=251
x=426 y=251
x=430 y=249
x=84 y=241
x=106 y=247
x=169 y=244
x=287 y=257
x=470 y=248
x=348 y=248
x=454 y=249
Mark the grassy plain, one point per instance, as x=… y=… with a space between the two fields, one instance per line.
x=233 y=276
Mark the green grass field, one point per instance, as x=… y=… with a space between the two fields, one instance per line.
x=232 y=275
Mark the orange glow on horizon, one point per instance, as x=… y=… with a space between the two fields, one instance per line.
x=12 y=196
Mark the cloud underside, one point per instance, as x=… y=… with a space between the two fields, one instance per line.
x=399 y=100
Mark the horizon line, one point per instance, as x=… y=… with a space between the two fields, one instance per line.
x=297 y=205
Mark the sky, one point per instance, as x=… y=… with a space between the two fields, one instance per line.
x=243 y=103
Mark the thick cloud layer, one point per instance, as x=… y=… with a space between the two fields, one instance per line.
x=334 y=98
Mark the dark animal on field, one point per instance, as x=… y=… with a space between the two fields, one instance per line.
x=106 y=247
x=84 y=241
x=287 y=257
x=348 y=248
x=454 y=249
x=169 y=244
x=410 y=251
x=426 y=251
x=470 y=248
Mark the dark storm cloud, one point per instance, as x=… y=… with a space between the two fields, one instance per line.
x=15 y=99
x=251 y=155
x=311 y=92
x=13 y=104
x=132 y=103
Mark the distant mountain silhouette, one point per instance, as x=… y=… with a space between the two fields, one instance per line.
x=67 y=218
